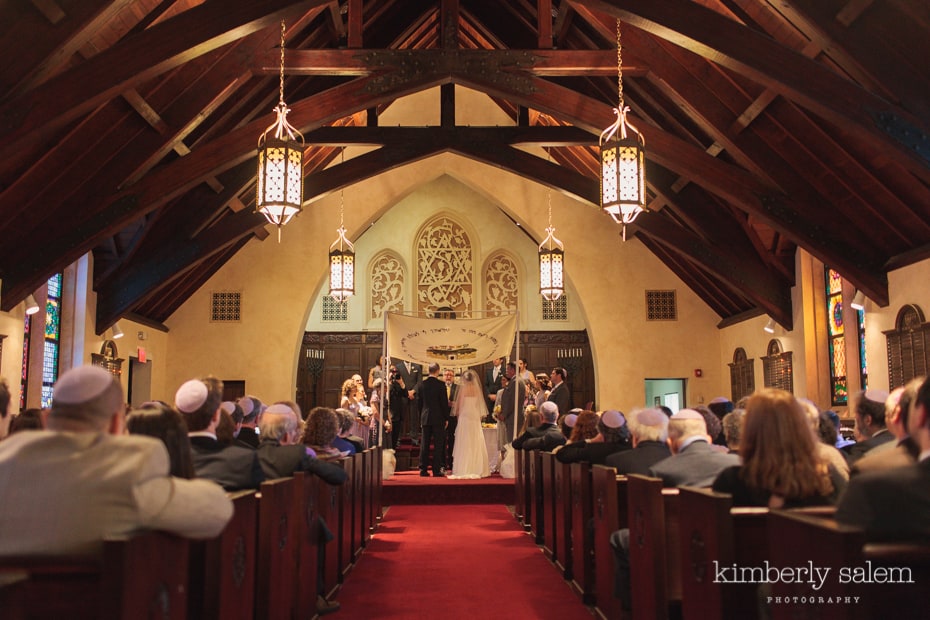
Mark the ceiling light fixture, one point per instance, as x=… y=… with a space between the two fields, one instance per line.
x=769 y=327
x=551 y=261
x=341 y=257
x=623 y=161
x=31 y=305
x=280 y=165
x=117 y=331
x=858 y=302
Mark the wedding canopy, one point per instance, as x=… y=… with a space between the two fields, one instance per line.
x=447 y=341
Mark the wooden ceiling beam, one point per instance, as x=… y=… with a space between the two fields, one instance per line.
x=762 y=59
x=351 y=62
x=121 y=292
x=733 y=184
x=133 y=61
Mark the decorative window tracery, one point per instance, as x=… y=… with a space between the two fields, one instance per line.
x=387 y=279
x=444 y=267
x=500 y=285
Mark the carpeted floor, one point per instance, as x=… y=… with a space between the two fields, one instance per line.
x=455 y=562
x=408 y=487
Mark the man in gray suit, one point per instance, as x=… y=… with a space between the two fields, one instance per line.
x=694 y=463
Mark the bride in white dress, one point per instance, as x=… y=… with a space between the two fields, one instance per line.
x=470 y=454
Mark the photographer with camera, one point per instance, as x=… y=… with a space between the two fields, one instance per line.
x=398 y=398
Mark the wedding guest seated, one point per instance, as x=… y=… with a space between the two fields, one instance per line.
x=720 y=407
x=252 y=409
x=585 y=427
x=893 y=503
x=693 y=462
x=567 y=422
x=613 y=436
x=320 y=433
x=871 y=432
x=649 y=428
x=345 y=441
x=903 y=451
x=226 y=429
x=546 y=435
x=162 y=421
x=841 y=440
x=732 y=428
x=531 y=419
x=826 y=452
x=28 y=420
x=235 y=467
x=5 y=415
x=781 y=467
x=281 y=455
x=65 y=489
x=714 y=429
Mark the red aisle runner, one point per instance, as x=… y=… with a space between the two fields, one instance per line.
x=455 y=561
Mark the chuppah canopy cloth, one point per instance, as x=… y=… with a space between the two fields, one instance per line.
x=449 y=342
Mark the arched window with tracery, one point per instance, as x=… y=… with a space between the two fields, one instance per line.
x=387 y=277
x=777 y=367
x=444 y=267
x=908 y=346
x=500 y=284
x=742 y=375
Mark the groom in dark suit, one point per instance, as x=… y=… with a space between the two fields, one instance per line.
x=434 y=417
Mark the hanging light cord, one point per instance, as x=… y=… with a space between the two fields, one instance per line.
x=281 y=127
x=619 y=129
x=281 y=75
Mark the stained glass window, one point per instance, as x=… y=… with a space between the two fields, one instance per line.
x=863 y=368
x=839 y=386
x=25 y=375
x=52 y=333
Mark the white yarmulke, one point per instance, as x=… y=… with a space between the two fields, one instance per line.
x=570 y=420
x=650 y=417
x=228 y=406
x=247 y=405
x=280 y=408
x=687 y=414
x=191 y=396
x=549 y=407
x=80 y=385
x=613 y=418
x=719 y=400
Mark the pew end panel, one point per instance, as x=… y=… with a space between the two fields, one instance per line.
x=275 y=587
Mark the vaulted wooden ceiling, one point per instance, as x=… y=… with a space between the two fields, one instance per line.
x=128 y=128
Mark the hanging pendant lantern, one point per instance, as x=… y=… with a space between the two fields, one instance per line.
x=623 y=161
x=341 y=257
x=551 y=260
x=280 y=164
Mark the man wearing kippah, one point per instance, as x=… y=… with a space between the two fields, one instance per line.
x=234 y=467
x=65 y=489
x=545 y=437
x=649 y=428
x=693 y=462
x=612 y=436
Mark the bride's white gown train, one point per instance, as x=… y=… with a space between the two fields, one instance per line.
x=470 y=453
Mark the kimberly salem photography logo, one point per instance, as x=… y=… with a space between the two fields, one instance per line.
x=815 y=576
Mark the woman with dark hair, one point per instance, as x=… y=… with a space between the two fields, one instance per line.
x=161 y=421
x=28 y=420
x=781 y=467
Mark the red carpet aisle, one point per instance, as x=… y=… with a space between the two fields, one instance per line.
x=451 y=562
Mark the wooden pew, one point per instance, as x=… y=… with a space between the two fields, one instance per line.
x=222 y=570
x=346 y=533
x=529 y=489
x=562 y=492
x=139 y=576
x=329 y=507
x=539 y=496
x=547 y=507
x=610 y=515
x=654 y=547
x=824 y=543
x=360 y=504
x=583 y=577
x=519 y=497
x=715 y=531
x=275 y=586
x=308 y=543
